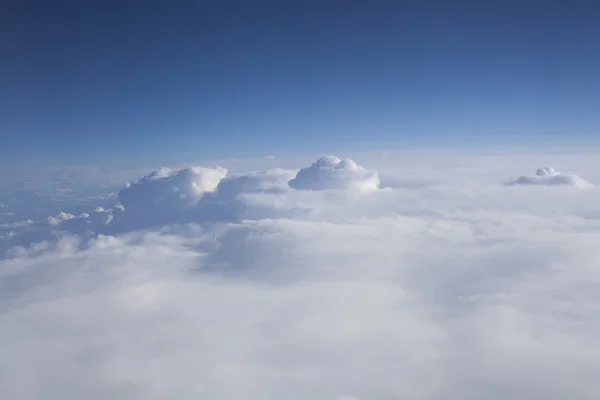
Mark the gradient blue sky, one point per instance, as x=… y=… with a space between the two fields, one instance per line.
x=166 y=81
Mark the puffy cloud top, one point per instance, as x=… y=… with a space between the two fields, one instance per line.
x=550 y=177
x=333 y=173
x=164 y=196
x=201 y=194
x=545 y=171
x=169 y=189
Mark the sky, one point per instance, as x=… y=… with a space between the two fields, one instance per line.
x=154 y=82
x=332 y=200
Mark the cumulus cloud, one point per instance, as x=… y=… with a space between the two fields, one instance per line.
x=253 y=195
x=199 y=194
x=261 y=290
x=165 y=196
x=168 y=189
x=548 y=176
x=333 y=173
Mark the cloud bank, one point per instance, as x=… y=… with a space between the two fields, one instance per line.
x=252 y=287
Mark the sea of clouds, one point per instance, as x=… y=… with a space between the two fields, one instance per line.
x=399 y=275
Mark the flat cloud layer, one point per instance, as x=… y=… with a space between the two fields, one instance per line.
x=259 y=290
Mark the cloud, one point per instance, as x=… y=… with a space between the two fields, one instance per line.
x=200 y=194
x=100 y=197
x=252 y=195
x=167 y=189
x=361 y=308
x=62 y=216
x=28 y=232
x=165 y=196
x=64 y=190
x=549 y=177
x=249 y=287
x=194 y=195
x=333 y=173
x=18 y=224
x=191 y=194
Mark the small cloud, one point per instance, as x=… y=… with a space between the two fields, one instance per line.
x=548 y=176
x=333 y=173
x=62 y=216
x=101 y=197
x=15 y=225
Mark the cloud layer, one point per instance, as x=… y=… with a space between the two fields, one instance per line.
x=252 y=287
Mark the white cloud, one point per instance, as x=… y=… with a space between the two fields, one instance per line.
x=251 y=195
x=107 y=196
x=333 y=173
x=167 y=189
x=164 y=196
x=548 y=176
x=463 y=288
x=18 y=224
x=203 y=194
x=362 y=308
x=62 y=216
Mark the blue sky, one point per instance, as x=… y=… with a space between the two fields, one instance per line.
x=127 y=82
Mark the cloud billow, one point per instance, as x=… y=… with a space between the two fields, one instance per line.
x=547 y=176
x=200 y=194
x=167 y=189
x=333 y=173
